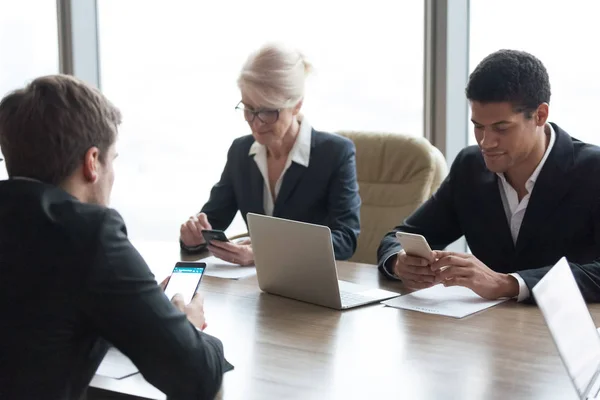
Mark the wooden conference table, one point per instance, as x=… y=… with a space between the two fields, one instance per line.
x=286 y=349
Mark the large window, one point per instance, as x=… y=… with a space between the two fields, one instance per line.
x=172 y=68
x=28 y=44
x=563 y=35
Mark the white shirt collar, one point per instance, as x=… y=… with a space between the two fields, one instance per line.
x=300 y=153
x=531 y=181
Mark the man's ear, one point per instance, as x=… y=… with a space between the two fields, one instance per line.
x=91 y=162
x=541 y=114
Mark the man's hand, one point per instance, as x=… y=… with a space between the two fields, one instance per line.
x=164 y=283
x=459 y=269
x=415 y=272
x=194 y=311
x=237 y=253
x=191 y=230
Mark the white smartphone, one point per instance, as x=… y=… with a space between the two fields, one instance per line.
x=185 y=279
x=414 y=245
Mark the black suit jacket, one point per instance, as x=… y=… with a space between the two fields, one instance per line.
x=70 y=281
x=324 y=193
x=562 y=217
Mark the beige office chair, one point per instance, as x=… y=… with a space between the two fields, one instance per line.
x=396 y=174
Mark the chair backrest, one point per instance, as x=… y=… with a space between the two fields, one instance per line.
x=396 y=174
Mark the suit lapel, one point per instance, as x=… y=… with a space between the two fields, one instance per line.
x=291 y=178
x=290 y=181
x=550 y=188
x=493 y=210
x=256 y=191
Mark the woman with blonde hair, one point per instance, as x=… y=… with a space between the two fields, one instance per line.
x=285 y=168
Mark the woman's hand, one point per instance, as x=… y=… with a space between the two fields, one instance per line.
x=191 y=230
x=236 y=253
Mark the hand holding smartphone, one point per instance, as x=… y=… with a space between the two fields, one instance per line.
x=212 y=234
x=414 y=267
x=185 y=280
x=415 y=245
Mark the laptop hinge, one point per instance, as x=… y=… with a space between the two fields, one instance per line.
x=594 y=387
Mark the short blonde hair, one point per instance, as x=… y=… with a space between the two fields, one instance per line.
x=274 y=75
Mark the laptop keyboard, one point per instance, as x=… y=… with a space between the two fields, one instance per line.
x=349 y=298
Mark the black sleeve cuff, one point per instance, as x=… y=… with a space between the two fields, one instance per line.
x=192 y=249
x=387 y=267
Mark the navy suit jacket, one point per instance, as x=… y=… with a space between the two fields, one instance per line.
x=324 y=193
x=562 y=217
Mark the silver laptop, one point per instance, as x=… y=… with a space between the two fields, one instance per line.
x=296 y=260
x=571 y=327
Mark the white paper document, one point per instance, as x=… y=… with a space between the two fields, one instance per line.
x=116 y=365
x=222 y=269
x=453 y=301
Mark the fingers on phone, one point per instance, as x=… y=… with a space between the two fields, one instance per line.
x=203 y=220
x=416 y=261
x=178 y=302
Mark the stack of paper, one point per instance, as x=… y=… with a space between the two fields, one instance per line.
x=222 y=269
x=453 y=301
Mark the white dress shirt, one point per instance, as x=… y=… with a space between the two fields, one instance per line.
x=515 y=210
x=299 y=154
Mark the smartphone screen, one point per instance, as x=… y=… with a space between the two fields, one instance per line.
x=185 y=280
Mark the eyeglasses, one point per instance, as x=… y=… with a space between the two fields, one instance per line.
x=265 y=116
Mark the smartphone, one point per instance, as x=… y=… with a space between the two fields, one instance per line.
x=185 y=279
x=414 y=245
x=210 y=235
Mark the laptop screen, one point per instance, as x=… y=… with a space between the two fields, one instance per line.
x=570 y=324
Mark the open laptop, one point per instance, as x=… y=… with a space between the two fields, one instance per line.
x=572 y=328
x=296 y=260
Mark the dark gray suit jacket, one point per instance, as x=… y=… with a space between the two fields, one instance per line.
x=562 y=217
x=70 y=282
x=324 y=193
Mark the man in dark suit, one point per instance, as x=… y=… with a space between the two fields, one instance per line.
x=526 y=196
x=70 y=281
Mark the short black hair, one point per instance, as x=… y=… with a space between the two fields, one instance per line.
x=510 y=76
